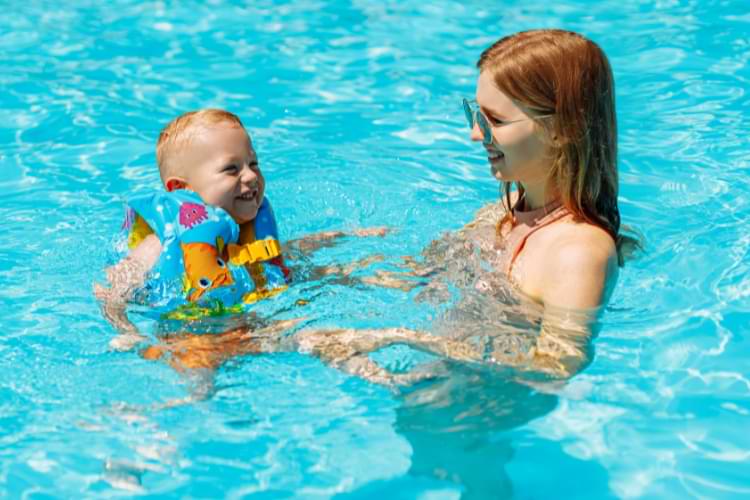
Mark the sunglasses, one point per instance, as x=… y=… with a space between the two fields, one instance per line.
x=476 y=116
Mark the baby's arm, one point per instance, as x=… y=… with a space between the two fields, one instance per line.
x=130 y=273
x=124 y=278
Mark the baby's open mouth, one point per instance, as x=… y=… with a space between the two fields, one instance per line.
x=250 y=196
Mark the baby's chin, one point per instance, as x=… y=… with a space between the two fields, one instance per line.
x=242 y=215
x=244 y=218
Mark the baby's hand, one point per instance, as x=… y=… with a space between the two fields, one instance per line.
x=102 y=294
x=113 y=308
x=126 y=341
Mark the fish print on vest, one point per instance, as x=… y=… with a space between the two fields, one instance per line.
x=205 y=269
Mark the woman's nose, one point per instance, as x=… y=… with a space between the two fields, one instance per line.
x=476 y=134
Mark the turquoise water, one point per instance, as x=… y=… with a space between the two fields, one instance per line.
x=354 y=108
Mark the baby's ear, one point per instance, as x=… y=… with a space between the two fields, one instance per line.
x=173 y=183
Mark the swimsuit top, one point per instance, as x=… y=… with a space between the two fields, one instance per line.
x=525 y=224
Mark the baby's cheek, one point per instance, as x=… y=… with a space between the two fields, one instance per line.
x=217 y=199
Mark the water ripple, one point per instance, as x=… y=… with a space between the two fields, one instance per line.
x=354 y=108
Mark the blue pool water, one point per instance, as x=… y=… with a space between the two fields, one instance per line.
x=354 y=108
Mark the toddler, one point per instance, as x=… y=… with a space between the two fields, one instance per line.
x=207 y=244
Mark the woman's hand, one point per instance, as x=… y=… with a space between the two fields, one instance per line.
x=326 y=239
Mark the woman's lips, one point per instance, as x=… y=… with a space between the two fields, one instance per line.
x=495 y=155
x=497 y=159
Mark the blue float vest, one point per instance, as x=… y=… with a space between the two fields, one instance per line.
x=208 y=264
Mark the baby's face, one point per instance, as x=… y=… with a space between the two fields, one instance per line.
x=220 y=165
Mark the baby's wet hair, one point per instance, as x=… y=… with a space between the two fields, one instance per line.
x=179 y=132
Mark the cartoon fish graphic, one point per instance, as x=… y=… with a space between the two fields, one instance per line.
x=205 y=269
x=192 y=214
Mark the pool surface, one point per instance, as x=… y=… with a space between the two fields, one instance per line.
x=355 y=112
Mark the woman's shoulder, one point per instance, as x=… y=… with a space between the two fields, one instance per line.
x=582 y=243
x=582 y=254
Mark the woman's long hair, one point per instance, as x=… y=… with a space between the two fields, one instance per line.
x=560 y=73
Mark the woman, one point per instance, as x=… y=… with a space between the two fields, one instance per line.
x=545 y=114
x=546 y=117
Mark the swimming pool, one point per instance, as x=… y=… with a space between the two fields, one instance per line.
x=355 y=112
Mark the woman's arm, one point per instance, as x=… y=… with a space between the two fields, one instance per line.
x=579 y=277
x=581 y=270
x=307 y=245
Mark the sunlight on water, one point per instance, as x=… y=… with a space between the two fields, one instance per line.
x=355 y=111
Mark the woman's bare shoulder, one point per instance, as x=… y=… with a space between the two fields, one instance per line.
x=580 y=265
x=582 y=244
x=586 y=235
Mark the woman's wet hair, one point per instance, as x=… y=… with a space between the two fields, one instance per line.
x=563 y=74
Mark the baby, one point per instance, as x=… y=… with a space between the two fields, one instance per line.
x=208 y=244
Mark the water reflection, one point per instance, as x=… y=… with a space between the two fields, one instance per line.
x=455 y=427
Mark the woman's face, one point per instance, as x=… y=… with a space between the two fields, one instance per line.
x=518 y=152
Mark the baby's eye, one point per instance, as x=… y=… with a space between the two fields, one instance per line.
x=254 y=166
x=231 y=169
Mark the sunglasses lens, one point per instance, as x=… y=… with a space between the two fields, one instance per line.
x=485 y=128
x=469 y=113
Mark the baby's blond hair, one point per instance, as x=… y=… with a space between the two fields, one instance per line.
x=179 y=132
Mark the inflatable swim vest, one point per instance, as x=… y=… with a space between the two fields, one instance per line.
x=208 y=265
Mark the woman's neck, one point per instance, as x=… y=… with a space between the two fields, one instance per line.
x=538 y=195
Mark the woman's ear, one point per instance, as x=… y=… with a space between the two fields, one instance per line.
x=553 y=140
x=174 y=183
